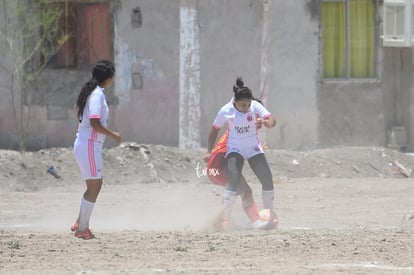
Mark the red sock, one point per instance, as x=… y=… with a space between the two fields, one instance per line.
x=249 y=206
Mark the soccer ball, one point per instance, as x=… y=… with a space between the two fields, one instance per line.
x=264 y=214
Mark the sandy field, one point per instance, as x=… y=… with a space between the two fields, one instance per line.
x=344 y=210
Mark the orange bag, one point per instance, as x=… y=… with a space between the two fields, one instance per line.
x=217 y=165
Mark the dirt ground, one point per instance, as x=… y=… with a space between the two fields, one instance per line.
x=346 y=210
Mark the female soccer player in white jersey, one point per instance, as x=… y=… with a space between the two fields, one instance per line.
x=242 y=116
x=93 y=115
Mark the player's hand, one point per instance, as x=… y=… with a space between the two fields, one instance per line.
x=265 y=122
x=116 y=136
x=259 y=123
x=207 y=157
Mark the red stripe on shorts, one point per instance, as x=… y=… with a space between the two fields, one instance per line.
x=91 y=156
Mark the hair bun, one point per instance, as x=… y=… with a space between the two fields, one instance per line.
x=239 y=82
x=234 y=88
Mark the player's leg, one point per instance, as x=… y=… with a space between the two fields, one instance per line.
x=248 y=202
x=261 y=168
x=234 y=167
x=81 y=226
x=89 y=158
x=93 y=187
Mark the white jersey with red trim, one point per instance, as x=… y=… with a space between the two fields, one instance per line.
x=242 y=126
x=95 y=107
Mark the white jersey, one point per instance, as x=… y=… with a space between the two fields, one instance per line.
x=242 y=126
x=95 y=107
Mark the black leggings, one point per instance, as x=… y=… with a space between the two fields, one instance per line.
x=259 y=165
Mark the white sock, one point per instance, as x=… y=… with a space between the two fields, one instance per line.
x=85 y=214
x=229 y=197
x=268 y=197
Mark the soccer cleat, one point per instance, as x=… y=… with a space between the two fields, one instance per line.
x=267 y=224
x=273 y=219
x=74 y=226
x=260 y=224
x=223 y=225
x=86 y=234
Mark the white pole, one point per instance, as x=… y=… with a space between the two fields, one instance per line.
x=407 y=23
x=266 y=58
x=189 y=108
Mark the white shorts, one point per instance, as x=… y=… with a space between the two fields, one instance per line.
x=245 y=151
x=88 y=155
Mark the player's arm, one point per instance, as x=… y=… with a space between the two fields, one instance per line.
x=265 y=117
x=212 y=137
x=97 y=126
x=268 y=121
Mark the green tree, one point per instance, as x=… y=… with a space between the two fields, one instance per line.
x=30 y=31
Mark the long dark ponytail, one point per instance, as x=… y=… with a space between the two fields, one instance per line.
x=103 y=70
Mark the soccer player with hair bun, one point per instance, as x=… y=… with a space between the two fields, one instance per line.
x=242 y=116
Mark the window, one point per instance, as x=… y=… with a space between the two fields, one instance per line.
x=349 y=38
x=88 y=26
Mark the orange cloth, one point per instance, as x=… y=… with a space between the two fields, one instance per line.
x=217 y=165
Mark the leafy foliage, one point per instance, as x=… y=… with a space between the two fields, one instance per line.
x=32 y=37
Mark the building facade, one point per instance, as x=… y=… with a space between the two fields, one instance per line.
x=319 y=66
